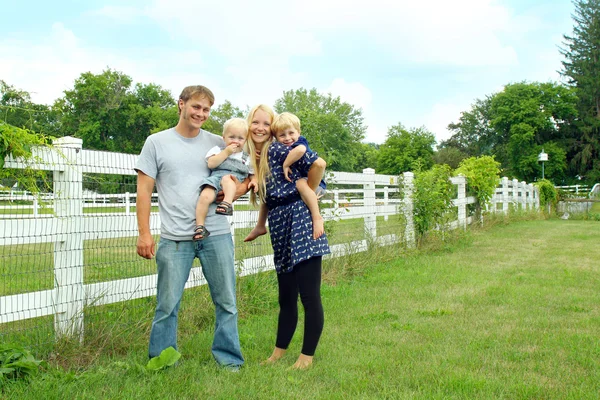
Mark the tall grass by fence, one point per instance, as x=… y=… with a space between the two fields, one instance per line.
x=65 y=254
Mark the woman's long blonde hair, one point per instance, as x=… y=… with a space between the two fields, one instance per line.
x=261 y=168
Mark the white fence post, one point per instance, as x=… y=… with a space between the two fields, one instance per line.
x=36 y=206
x=409 y=232
x=461 y=200
x=515 y=193
x=369 y=203
x=386 y=199
x=505 y=198
x=127 y=203
x=68 y=250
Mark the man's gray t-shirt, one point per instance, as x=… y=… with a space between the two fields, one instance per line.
x=178 y=164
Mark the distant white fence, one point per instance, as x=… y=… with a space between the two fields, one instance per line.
x=67 y=227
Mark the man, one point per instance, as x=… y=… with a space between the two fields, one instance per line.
x=174 y=159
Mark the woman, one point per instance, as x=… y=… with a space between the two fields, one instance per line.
x=296 y=254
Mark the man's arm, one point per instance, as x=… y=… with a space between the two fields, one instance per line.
x=143 y=206
x=240 y=189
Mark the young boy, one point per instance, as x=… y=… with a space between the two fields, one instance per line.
x=225 y=163
x=286 y=130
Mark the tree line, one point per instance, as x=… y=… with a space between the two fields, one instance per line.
x=514 y=125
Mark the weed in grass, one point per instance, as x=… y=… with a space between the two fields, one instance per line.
x=17 y=363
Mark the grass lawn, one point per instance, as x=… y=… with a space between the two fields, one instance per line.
x=505 y=313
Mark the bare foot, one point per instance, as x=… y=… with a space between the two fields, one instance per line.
x=256 y=232
x=303 y=362
x=276 y=356
x=318 y=227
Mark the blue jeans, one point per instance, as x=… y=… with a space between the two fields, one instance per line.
x=174 y=261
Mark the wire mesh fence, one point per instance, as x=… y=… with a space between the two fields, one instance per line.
x=68 y=256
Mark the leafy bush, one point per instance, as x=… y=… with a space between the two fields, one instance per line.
x=548 y=193
x=432 y=199
x=18 y=143
x=482 y=175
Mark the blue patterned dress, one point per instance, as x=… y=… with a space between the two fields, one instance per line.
x=290 y=223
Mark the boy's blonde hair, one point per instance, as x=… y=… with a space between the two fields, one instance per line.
x=261 y=168
x=285 y=120
x=236 y=123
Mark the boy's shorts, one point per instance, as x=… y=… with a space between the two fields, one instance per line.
x=320 y=191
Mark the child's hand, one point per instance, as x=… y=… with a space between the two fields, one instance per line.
x=233 y=148
x=286 y=173
x=253 y=185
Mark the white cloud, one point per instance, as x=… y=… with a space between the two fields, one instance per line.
x=354 y=93
x=442 y=114
x=50 y=66
x=122 y=14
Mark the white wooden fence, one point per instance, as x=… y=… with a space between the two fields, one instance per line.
x=68 y=227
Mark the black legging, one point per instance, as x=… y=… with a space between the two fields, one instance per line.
x=305 y=279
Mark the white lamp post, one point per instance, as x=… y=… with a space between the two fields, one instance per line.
x=543 y=157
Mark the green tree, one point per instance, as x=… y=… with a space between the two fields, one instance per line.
x=367 y=157
x=450 y=156
x=405 y=150
x=581 y=67
x=528 y=117
x=17 y=109
x=333 y=128
x=514 y=126
x=219 y=115
x=108 y=114
x=473 y=134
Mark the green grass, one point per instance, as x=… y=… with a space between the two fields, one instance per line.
x=507 y=313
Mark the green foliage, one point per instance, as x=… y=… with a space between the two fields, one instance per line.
x=515 y=125
x=450 y=156
x=482 y=175
x=108 y=114
x=167 y=358
x=18 y=143
x=581 y=67
x=548 y=193
x=432 y=199
x=17 y=109
x=472 y=134
x=219 y=115
x=405 y=150
x=333 y=128
x=17 y=363
x=529 y=117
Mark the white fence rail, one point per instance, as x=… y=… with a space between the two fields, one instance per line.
x=67 y=227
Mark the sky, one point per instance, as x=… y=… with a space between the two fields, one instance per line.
x=418 y=63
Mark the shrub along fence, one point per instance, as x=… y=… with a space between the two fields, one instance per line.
x=64 y=254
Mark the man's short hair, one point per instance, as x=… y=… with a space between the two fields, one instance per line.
x=285 y=120
x=190 y=92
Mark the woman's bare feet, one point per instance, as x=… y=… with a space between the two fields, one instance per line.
x=276 y=356
x=303 y=362
x=256 y=232
x=318 y=227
